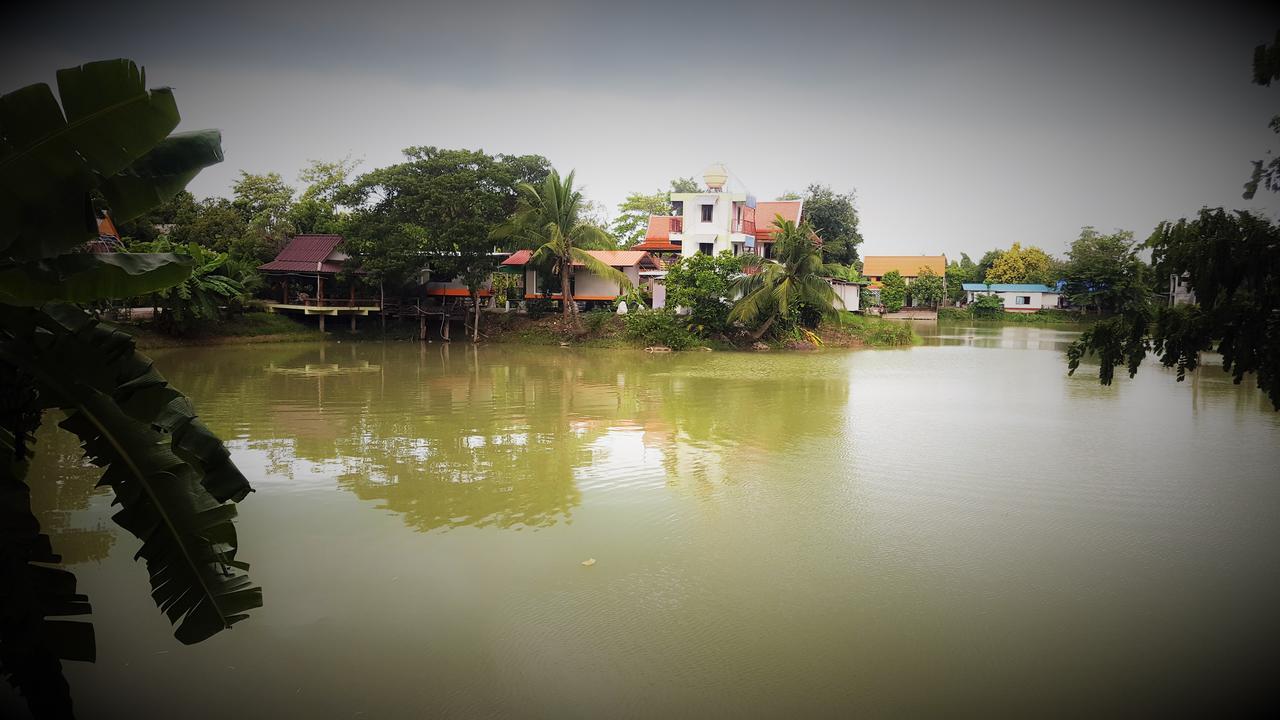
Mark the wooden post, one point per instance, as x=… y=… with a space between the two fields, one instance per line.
x=321 y=323
x=422 y=326
x=284 y=291
x=353 y=322
x=351 y=302
x=382 y=307
x=320 y=292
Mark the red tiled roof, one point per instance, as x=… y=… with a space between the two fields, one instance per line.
x=612 y=258
x=767 y=212
x=306 y=253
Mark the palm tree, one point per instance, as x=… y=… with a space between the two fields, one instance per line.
x=548 y=221
x=771 y=288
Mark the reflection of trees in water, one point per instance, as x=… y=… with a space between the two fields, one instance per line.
x=449 y=436
x=63 y=483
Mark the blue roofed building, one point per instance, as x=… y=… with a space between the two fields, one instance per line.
x=1017 y=297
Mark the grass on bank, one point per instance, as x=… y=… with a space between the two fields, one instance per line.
x=1039 y=317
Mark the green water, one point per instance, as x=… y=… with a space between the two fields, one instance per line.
x=954 y=528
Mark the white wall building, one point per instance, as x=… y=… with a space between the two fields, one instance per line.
x=1017 y=297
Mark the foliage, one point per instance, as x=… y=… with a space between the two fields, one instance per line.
x=437 y=208
x=199 y=298
x=109 y=135
x=684 y=185
x=987 y=306
x=927 y=288
x=1021 y=265
x=1102 y=269
x=867 y=298
x=633 y=215
x=835 y=218
x=505 y=287
x=893 y=291
x=1043 y=316
x=876 y=332
x=1266 y=70
x=1232 y=261
x=547 y=220
x=704 y=285
x=263 y=202
x=540 y=307
x=773 y=289
x=988 y=259
x=659 y=327
x=326 y=181
x=960 y=272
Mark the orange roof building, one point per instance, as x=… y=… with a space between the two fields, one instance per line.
x=875 y=267
x=716 y=220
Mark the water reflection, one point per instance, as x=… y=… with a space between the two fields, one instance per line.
x=995 y=335
x=63 y=484
x=451 y=436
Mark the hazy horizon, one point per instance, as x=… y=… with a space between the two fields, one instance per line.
x=960 y=130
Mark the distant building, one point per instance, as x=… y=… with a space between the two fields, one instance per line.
x=715 y=220
x=108 y=240
x=585 y=285
x=1180 y=292
x=1017 y=297
x=875 y=267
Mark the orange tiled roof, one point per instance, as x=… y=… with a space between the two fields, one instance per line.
x=767 y=212
x=612 y=258
x=875 y=266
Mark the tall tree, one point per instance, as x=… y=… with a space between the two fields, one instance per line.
x=263 y=201
x=1232 y=261
x=633 y=215
x=1021 y=265
x=548 y=221
x=988 y=259
x=927 y=288
x=835 y=218
x=437 y=209
x=795 y=277
x=893 y=291
x=960 y=272
x=1101 y=269
x=1266 y=70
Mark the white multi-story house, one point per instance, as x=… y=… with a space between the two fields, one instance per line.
x=716 y=219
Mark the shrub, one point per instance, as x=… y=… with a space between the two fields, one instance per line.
x=660 y=327
x=704 y=284
x=540 y=307
x=893 y=291
x=596 y=320
x=987 y=306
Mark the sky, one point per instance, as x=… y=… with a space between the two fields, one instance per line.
x=961 y=127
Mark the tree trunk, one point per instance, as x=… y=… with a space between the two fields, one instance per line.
x=764 y=328
x=382 y=307
x=475 y=327
x=566 y=300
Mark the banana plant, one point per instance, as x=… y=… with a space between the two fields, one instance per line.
x=105 y=132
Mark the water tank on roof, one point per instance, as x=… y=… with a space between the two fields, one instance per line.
x=715 y=177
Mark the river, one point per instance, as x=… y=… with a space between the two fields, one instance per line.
x=957 y=528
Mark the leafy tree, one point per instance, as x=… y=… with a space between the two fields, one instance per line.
x=1266 y=70
x=790 y=195
x=1232 y=261
x=927 y=288
x=547 y=220
x=199 y=298
x=1021 y=265
x=960 y=272
x=217 y=225
x=263 y=202
x=893 y=291
x=984 y=265
x=684 y=185
x=778 y=287
x=437 y=208
x=989 y=305
x=835 y=218
x=704 y=284
x=326 y=181
x=633 y=215
x=171 y=475
x=1102 y=269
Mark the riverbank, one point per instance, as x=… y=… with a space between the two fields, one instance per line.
x=599 y=330
x=1039 y=317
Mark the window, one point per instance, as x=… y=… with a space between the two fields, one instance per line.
x=1022 y=300
x=706 y=212
x=706 y=248
x=677 y=207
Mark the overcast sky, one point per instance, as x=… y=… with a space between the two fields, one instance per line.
x=960 y=128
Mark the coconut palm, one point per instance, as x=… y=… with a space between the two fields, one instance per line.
x=548 y=221
x=772 y=288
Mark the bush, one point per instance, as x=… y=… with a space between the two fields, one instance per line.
x=596 y=320
x=704 y=284
x=540 y=307
x=660 y=327
x=987 y=306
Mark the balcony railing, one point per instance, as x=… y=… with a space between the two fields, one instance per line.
x=677 y=225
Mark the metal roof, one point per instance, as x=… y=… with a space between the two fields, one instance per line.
x=306 y=253
x=1008 y=287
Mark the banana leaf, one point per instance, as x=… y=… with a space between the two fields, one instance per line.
x=85 y=277
x=161 y=173
x=49 y=160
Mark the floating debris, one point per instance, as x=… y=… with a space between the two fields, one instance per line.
x=589 y=562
